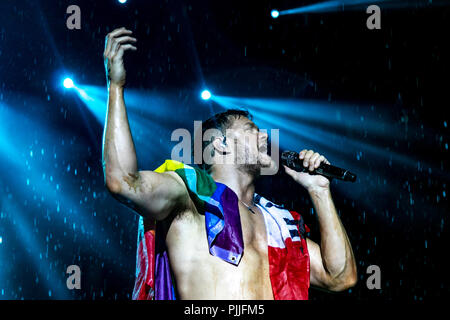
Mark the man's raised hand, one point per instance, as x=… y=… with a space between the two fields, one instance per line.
x=117 y=42
x=312 y=161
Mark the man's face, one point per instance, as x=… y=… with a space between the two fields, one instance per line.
x=249 y=144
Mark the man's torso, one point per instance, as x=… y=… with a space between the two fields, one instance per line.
x=199 y=275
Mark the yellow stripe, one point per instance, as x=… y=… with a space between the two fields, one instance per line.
x=170 y=165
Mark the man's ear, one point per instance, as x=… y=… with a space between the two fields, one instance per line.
x=220 y=145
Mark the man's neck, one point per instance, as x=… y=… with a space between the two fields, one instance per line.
x=242 y=183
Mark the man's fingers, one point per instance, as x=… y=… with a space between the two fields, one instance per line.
x=302 y=153
x=312 y=161
x=288 y=170
x=122 y=48
x=119 y=32
x=128 y=47
x=308 y=155
x=117 y=43
x=318 y=161
x=111 y=37
x=124 y=39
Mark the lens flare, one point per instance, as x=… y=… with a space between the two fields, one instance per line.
x=68 y=83
x=206 y=95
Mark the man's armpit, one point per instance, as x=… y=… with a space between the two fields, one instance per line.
x=132 y=180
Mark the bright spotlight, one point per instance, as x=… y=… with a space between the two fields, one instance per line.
x=68 y=83
x=275 y=14
x=206 y=95
x=122 y=1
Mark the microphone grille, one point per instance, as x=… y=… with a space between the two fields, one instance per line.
x=288 y=155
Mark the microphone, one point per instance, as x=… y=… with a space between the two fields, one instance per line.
x=291 y=159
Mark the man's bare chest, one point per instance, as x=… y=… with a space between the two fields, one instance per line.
x=192 y=261
x=187 y=234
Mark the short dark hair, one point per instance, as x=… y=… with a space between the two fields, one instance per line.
x=221 y=121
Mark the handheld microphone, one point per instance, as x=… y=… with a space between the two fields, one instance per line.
x=291 y=159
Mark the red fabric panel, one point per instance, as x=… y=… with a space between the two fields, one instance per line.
x=290 y=268
x=144 y=286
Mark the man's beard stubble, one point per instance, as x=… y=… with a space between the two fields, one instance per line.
x=251 y=165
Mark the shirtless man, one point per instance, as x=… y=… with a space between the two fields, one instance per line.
x=163 y=196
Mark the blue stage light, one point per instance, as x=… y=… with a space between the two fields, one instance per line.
x=275 y=14
x=206 y=95
x=122 y=1
x=340 y=5
x=68 y=83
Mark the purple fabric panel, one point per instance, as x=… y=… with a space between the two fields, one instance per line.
x=226 y=255
x=163 y=279
x=230 y=238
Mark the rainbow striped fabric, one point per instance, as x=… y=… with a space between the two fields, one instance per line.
x=288 y=253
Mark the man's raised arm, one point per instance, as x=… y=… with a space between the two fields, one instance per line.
x=152 y=195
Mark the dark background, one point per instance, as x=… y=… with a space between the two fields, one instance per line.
x=56 y=212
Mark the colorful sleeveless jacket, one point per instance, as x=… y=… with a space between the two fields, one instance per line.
x=289 y=265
